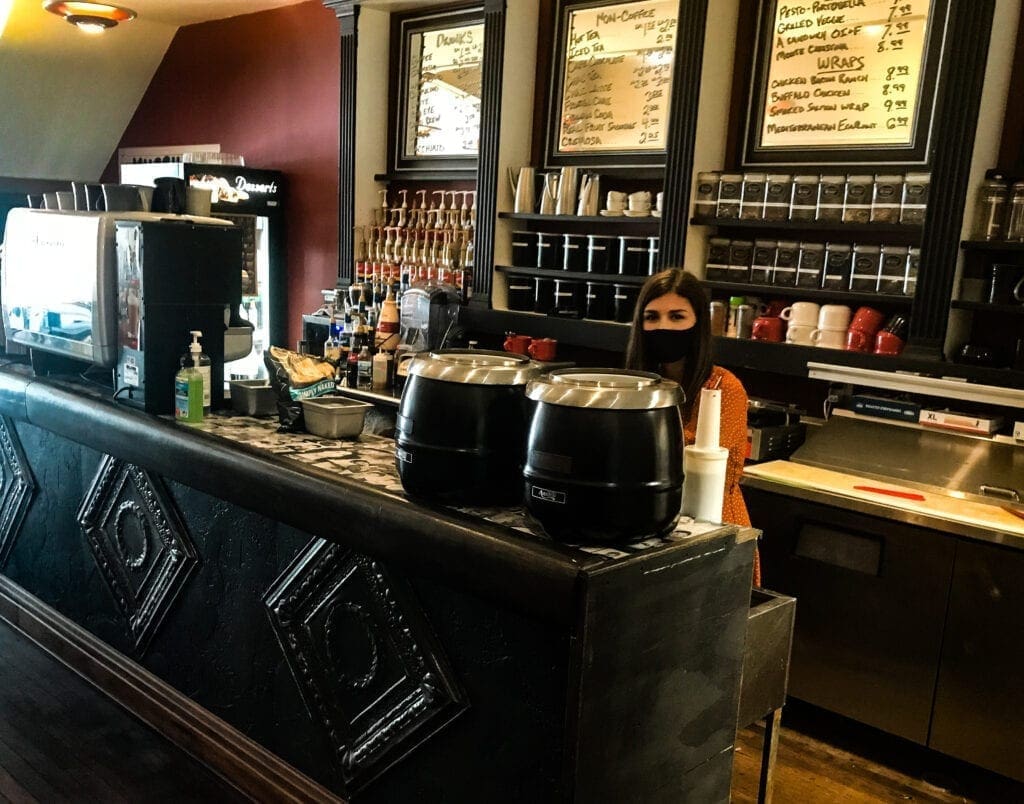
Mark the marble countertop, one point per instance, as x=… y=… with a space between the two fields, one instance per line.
x=370 y=461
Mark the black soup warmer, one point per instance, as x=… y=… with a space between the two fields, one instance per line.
x=461 y=429
x=604 y=457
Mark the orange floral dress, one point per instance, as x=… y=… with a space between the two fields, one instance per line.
x=733 y=434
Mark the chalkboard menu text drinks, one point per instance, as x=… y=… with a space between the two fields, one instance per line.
x=616 y=77
x=844 y=74
x=443 y=102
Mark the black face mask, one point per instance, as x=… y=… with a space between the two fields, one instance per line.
x=668 y=345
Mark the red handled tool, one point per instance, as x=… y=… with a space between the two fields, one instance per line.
x=906 y=495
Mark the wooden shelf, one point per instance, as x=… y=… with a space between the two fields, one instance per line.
x=904 y=229
x=426 y=175
x=582 y=276
x=813 y=294
x=992 y=245
x=650 y=221
x=985 y=307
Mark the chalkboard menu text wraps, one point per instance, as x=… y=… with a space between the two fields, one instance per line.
x=844 y=80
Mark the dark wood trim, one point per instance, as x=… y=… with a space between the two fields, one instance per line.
x=542 y=77
x=682 y=128
x=1011 y=148
x=490 y=136
x=243 y=763
x=348 y=17
x=742 y=75
x=962 y=76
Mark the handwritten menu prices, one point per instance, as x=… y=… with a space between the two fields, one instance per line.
x=617 y=79
x=445 y=77
x=844 y=72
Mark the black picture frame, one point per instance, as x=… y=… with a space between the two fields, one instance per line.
x=916 y=154
x=553 y=157
x=403 y=27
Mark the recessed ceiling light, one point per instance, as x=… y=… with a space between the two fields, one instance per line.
x=91 y=18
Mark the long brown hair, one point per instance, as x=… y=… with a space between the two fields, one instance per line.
x=697 y=362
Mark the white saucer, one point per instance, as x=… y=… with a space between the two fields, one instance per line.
x=636 y=213
x=609 y=213
x=656 y=213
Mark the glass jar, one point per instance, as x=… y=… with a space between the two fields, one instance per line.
x=716 y=266
x=777 y=195
x=990 y=212
x=752 y=206
x=885 y=201
x=730 y=193
x=916 y=188
x=804 y=202
x=1015 y=224
x=705 y=197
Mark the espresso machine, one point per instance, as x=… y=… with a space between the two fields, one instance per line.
x=122 y=291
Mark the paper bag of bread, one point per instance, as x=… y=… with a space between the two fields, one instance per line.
x=295 y=377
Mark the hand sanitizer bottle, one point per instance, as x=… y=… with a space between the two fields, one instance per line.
x=205 y=367
x=189 y=386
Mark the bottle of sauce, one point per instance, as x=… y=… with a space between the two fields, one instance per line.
x=352 y=369
x=387 y=324
x=381 y=377
x=364 y=369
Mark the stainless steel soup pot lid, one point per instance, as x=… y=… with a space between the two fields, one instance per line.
x=600 y=388
x=474 y=367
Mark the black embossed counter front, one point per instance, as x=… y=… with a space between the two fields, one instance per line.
x=390 y=650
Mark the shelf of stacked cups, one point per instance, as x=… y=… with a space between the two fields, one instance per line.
x=865 y=329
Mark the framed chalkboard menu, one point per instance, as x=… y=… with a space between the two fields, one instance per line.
x=611 y=90
x=844 y=81
x=436 y=97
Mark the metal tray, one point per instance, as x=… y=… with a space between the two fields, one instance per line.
x=334 y=416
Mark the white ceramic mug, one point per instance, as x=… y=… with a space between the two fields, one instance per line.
x=829 y=338
x=640 y=202
x=658 y=201
x=800 y=334
x=616 y=201
x=801 y=313
x=834 y=316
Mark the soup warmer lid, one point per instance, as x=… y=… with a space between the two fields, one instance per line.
x=474 y=367
x=606 y=389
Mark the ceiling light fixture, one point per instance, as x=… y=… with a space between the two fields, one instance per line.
x=93 y=18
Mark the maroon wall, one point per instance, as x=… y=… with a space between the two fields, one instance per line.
x=266 y=86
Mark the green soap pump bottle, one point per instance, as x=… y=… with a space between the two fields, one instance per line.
x=188 y=386
x=205 y=366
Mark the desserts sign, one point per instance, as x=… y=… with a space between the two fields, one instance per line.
x=844 y=73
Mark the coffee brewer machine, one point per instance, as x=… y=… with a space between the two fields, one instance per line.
x=171 y=281
x=122 y=290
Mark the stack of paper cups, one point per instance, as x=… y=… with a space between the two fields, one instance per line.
x=704 y=462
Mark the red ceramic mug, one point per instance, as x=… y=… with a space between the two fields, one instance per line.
x=768 y=328
x=517 y=344
x=867 y=320
x=543 y=349
x=857 y=341
x=886 y=343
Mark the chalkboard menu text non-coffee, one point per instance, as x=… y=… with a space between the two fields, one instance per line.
x=845 y=77
x=615 y=78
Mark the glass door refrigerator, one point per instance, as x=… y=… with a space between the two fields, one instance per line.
x=253 y=199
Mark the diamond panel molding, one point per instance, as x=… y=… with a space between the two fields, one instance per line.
x=366 y=661
x=139 y=543
x=16 y=487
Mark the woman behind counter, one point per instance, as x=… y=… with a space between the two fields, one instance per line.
x=671 y=335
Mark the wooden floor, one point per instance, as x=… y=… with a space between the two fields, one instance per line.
x=62 y=741
x=825 y=758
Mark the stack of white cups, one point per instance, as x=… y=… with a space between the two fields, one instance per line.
x=802 y=318
x=833 y=321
